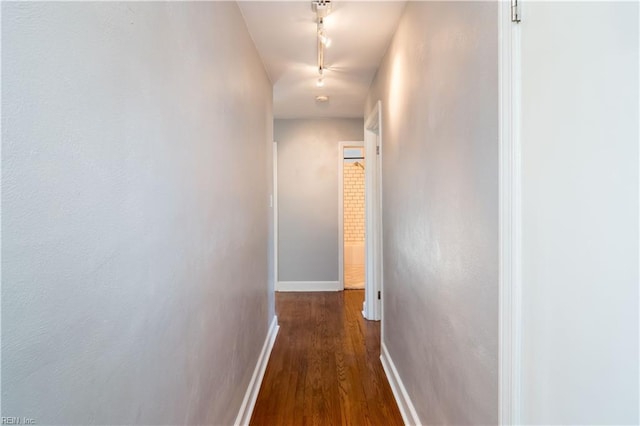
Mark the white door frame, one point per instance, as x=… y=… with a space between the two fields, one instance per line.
x=372 y=309
x=274 y=202
x=510 y=223
x=341 y=147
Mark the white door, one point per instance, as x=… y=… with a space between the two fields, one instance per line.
x=580 y=193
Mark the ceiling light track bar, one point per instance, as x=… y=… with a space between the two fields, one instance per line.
x=321 y=8
x=320 y=49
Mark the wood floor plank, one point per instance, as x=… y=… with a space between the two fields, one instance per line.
x=325 y=365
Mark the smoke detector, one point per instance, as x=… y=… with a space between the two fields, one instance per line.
x=321 y=8
x=322 y=98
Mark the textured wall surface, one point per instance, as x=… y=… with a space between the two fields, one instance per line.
x=580 y=213
x=135 y=144
x=438 y=86
x=308 y=161
x=353 y=193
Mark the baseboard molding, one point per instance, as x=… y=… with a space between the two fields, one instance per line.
x=248 y=403
x=308 y=286
x=407 y=409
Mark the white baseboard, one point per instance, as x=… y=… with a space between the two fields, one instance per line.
x=308 y=286
x=407 y=409
x=248 y=403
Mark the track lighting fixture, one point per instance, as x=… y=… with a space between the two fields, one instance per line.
x=321 y=8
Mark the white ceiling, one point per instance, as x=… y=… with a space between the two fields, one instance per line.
x=285 y=35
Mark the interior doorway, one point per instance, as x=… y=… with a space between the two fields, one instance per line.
x=371 y=149
x=352 y=215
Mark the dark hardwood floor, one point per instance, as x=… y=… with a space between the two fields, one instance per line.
x=325 y=365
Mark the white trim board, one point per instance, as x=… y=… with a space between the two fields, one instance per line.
x=251 y=395
x=406 y=407
x=308 y=286
x=372 y=308
x=274 y=205
x=510 y=276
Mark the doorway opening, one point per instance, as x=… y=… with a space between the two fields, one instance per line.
x=371 y=151
x=352 y=212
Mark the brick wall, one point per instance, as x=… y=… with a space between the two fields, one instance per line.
x=353 y=202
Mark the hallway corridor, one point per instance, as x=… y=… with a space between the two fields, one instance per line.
x=325 y=366
x=178 y=224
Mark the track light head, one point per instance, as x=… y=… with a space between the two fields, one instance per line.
x=324 y=39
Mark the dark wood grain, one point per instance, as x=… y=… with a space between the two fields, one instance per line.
x=325 y=365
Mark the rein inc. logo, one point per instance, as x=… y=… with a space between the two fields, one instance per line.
x=17 y=421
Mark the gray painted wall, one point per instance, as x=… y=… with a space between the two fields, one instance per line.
x=308 y=195
x=580 y=213
x=135 y=144
x=439 y=92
